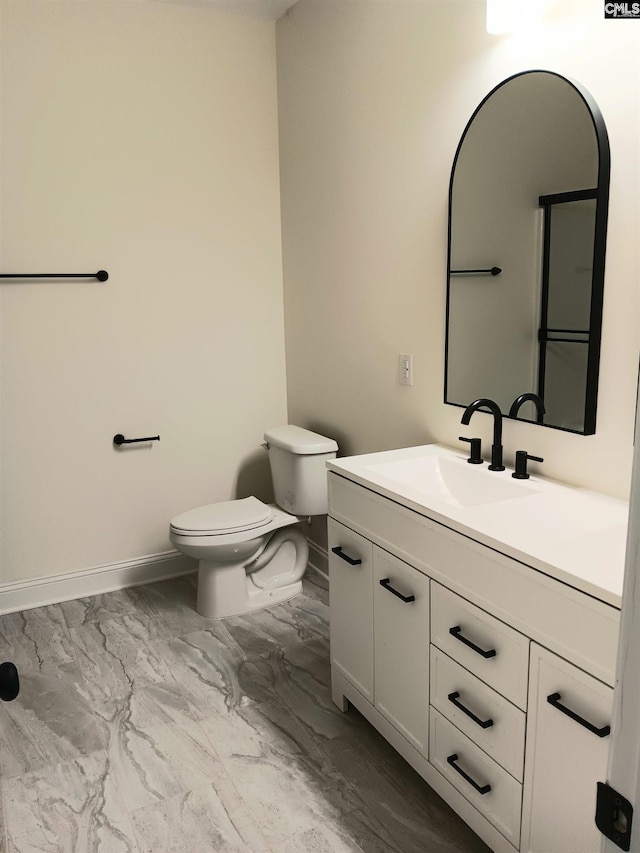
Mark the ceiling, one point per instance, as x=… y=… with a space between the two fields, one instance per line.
x=265 y=10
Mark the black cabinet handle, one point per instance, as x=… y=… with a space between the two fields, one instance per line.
x=386 y=583
x=484 y=724
x=119 y=439
x=340 y=553
x=481 y=789
x=455 y=632
x=554 y=699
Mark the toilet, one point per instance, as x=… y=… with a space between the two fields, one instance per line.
x=252 y=555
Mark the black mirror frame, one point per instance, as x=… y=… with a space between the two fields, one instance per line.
x=599 y=249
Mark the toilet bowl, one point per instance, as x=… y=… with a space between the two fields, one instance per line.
x=250 y=554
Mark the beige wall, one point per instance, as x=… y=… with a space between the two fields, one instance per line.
x=138 y=137
x=373 y=97
x=142 y=137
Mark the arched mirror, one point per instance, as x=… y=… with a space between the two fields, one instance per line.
x=528 y=206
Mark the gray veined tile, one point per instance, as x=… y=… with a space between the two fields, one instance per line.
x=152 y=768
x=401 y=803
x=197 y=820
x=140 y=732
x=316 y=585
x=224 y=737
x=118 y=655
x=287 y=782
x=3 y=822
x=50 y=721
x=102 y=608
x=214 y=672
x=310 y=612
x=66 y=808
x=268 y=735
x=36 y=640
x=145 y=710
x=267 y=630
x=300 y=676
x=259 y=730
x=286 y=793
x=173 y=604
x=355 y=831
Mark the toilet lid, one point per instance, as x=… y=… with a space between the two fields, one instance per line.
x=223 y=517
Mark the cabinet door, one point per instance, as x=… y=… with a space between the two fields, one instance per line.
x=566 y=755
x=401 y=642
x=351 y=606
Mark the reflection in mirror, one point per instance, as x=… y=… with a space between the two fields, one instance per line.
x=569 y=221
x=527 y=228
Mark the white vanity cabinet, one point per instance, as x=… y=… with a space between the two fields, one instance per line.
x=451 y=649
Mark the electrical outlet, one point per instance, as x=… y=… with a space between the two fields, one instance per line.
x=406 y=368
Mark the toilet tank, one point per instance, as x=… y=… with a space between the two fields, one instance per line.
x=297 y=458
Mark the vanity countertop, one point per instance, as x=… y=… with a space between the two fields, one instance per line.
x=573 y=535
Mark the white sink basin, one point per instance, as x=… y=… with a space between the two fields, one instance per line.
x=571 y=534
x=452 y=481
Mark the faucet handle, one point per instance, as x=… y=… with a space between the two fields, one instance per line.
x=522 y=457
x=475 y=457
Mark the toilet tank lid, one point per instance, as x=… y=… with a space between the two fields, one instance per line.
x=295 y=439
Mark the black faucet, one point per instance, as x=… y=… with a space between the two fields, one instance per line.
x=523 y=398
x=496 y=447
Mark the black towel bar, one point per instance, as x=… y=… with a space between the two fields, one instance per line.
x=492 y=271
x=101 y=275
x=120 y=439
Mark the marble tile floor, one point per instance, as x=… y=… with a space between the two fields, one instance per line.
x=142 y=727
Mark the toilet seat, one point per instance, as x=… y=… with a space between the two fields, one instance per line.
x=223 y=518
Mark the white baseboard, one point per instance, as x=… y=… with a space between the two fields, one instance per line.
x=37 y=592
x=318 y=559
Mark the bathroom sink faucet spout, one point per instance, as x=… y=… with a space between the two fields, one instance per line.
x=524 y=398
x=496 y=448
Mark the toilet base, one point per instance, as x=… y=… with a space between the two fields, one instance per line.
x=216 y=602
x=234 y=589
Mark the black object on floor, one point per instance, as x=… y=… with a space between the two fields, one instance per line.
x=9 y=682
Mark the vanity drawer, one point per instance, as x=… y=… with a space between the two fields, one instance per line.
x=493 y=723
x=488 y=648
x=351 y=593
x=496 y=794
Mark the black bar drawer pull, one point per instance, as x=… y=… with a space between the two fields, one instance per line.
x=481 y=789
x=101 y=275
x=456 y=632
x=340 y=553
x=554 y=699
x=453 y=698
x=386 y=583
